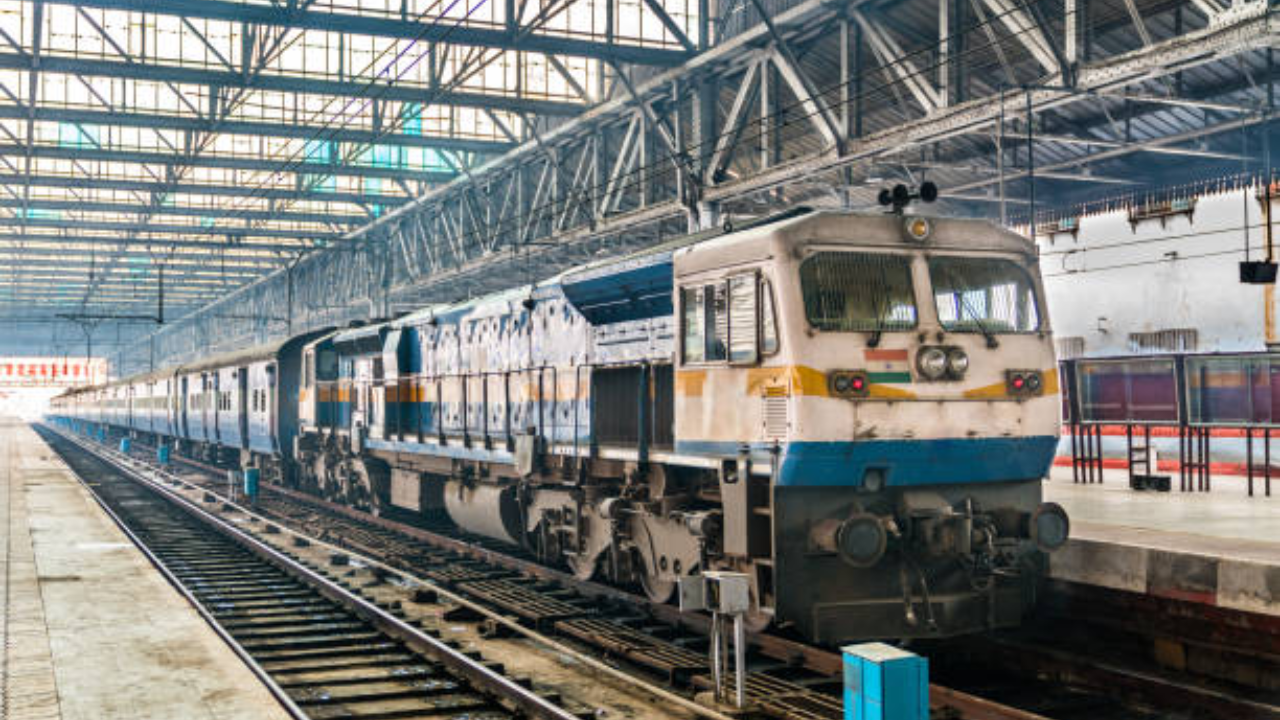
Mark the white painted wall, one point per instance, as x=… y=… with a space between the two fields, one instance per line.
x=1130 y=277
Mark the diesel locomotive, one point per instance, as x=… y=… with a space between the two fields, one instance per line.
x=855 y=410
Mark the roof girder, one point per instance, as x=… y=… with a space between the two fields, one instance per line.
x=511 y=37
x=275 y=82
x=294 y=131
x=106 y=183
x=38 y=203
x=228 y=162
x=124 y=228
x=283 y=247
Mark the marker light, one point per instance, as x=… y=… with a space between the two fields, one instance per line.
x=849 y=383
x=1024 y=382
x=841 y=383
x=917 y=228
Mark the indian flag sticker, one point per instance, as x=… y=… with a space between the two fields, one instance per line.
x=887 y=366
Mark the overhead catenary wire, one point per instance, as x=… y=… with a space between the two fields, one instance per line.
x=1151 y=262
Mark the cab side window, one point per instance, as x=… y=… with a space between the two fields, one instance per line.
x=768 y=320
x=692 y=342
x=743 y=312
x=731 y=320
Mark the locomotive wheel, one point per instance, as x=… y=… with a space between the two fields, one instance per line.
x=657 y=590
x=582 y=568
x=756 y=621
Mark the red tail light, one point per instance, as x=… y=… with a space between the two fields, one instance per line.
x=1024 y=382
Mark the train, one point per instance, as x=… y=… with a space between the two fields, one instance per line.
x=853 y=410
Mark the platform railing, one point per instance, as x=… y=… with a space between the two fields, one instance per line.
x=1195 y=397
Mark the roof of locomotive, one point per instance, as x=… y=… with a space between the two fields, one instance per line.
x=656 y=256
x=832 y=227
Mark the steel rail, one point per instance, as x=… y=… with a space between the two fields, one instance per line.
x=263 y=676
x=474 y=671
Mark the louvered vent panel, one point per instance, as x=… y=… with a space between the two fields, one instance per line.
x=776 y=417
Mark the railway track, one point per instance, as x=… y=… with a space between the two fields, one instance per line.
x=514 y=594
x=323 y=651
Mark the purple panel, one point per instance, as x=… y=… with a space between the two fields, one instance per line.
x=1261 y=388
x=1219 y=388
x=1128 y=391
x=1273 y=394
x=1103 y=397
x=1234 y=390
x=1153 y=395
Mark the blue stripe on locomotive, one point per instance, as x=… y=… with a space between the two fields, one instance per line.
x=904 y=462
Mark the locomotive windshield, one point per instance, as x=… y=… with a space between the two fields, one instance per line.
x=987 y=295
x=858 y=292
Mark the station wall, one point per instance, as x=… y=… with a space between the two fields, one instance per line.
x=1116 y=287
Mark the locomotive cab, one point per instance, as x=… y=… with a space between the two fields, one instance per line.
x=893 y=392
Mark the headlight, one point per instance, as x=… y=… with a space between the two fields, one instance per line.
x=957 y=362
x=932 y=362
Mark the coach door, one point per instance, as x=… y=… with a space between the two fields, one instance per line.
x=272 y=407
x=242 y=404
x=377 y=400
x=214 y=409
x=184 y=407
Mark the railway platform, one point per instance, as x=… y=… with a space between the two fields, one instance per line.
x=1218 y=548
x=90 y=629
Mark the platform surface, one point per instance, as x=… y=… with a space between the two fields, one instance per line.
x=1219 y=547
x=92 y=630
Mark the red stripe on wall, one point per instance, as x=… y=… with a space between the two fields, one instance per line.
x=1166 y=431
x=1215 y=468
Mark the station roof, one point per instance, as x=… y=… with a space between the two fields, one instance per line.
x=200 y=144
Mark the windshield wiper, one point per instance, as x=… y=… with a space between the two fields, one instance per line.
x=874 y=340
x=992 y=342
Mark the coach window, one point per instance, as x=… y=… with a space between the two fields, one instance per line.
x=327 y=365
